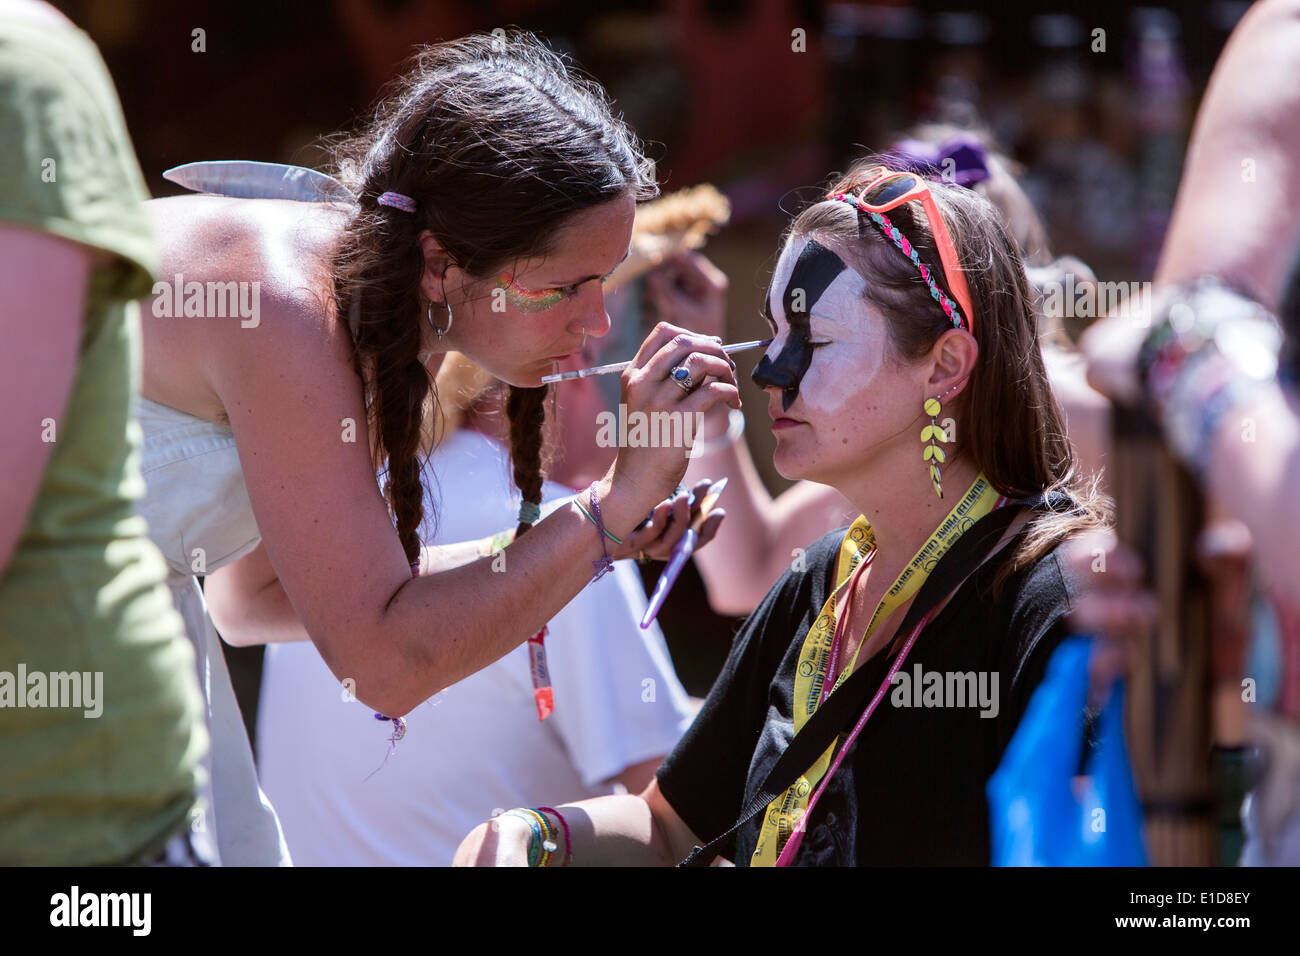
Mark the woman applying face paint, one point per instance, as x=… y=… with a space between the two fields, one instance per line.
x=477 y=211
x=879 y=332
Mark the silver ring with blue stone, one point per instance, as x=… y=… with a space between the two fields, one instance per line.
x=681 y=375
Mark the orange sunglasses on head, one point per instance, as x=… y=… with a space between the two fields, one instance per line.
x=888 y=189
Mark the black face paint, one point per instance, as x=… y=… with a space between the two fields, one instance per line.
x=814 y=271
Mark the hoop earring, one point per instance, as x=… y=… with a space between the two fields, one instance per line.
x=450 y=318
x=930 y=434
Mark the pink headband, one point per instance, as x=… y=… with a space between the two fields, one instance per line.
x=397 y=201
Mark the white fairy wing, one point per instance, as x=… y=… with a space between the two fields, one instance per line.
x=246 y=179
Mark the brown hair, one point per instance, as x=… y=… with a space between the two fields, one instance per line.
x=1003 y=190
x=1009 y=419
x=498 y=141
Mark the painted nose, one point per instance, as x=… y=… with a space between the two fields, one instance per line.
x=769 y=374
x=785 y=373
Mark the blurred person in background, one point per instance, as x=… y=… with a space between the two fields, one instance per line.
x=101 y=727
x=1207 y=356
x=478 y=746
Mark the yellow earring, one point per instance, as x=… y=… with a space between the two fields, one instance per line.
x=930 y=434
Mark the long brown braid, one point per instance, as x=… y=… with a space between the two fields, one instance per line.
x=526 y=412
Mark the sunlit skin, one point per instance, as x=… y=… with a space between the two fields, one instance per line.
x=546 y=306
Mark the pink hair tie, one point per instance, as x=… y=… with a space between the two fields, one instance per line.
x=397 y=201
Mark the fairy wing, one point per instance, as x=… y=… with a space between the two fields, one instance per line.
x=246 y=179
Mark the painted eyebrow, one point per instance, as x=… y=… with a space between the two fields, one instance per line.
x=589 y=278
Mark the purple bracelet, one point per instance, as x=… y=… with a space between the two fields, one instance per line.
x=604 y=564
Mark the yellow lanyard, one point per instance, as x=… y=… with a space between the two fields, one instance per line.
x=816 y=653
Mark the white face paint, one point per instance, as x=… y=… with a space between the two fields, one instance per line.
x=848 y=333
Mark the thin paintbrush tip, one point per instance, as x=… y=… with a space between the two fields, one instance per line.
x=619 y=366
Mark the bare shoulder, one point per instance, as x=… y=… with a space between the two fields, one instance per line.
x=244 y=286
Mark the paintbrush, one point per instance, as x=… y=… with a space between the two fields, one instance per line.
x=682 y=552
x=619 y=366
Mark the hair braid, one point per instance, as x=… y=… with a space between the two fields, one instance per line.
x=526 y=410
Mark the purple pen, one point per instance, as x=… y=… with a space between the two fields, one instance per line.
x=682 y=552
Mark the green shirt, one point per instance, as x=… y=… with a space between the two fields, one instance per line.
x=85 y=590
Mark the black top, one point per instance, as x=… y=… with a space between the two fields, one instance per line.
x=912 y=789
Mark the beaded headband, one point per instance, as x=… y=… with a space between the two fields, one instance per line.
x=397 y=201
x=895 y=235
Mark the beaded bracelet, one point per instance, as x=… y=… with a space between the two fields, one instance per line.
x=549 y=846
x=1190 y=380
x=568 y=843
x=534 y=844
x=542 y=846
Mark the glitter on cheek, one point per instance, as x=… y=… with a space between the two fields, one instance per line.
x=527 y=301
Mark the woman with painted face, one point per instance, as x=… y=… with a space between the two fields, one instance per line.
x=896 y=304
x=763 y=532
x=478 y=211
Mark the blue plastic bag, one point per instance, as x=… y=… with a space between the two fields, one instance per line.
x=1037 y=820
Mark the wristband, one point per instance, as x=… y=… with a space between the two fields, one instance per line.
x=535 y=842
x=541 y=845
x=595 y=522
x=568 y=843
x=604 y=564
x=1213 y=350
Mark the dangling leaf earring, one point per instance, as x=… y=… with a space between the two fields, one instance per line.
x=930 y=434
